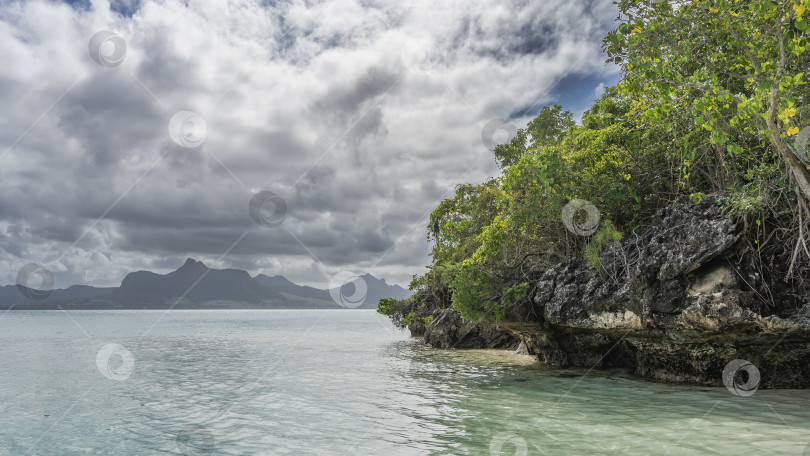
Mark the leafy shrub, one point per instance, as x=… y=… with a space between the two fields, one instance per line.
x=695 y=118
x=606 y=235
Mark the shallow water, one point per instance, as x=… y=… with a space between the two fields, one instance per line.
x=316 y=382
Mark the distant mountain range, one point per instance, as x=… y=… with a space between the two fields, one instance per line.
x=196 y=286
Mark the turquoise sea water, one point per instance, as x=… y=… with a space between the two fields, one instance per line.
x=316 y=382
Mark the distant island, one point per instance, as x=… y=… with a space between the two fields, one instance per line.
x=196 y=286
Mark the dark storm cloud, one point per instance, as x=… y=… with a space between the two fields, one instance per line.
x=355 y=104
x=536 y=36
x=166 y=69
x=108 y=118
x=362 y=116
x=347 y=100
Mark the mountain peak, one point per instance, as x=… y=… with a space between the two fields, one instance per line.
x=195 y=285
x=370 y=278
x=192 y=263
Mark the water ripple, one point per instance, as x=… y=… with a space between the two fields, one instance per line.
x=269 y=382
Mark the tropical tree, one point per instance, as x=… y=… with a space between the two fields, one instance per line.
x=548 y=128
x=741 y=64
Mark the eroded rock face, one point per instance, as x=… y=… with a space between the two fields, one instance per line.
x=448 y=330
x=673 y=303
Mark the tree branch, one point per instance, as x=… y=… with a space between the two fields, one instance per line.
x=748 y=53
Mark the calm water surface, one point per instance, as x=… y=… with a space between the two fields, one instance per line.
x=341 y=383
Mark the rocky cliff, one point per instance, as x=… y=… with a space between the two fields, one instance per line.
x=677 y=302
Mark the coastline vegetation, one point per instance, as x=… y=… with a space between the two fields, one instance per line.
x=713 y=100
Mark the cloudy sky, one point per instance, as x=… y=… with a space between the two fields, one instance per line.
x=144 y=144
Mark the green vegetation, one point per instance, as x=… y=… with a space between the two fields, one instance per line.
x=712 y=95
x=606 y=235
x=404 y=312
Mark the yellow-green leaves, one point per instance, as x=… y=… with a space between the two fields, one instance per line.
x=721 y=58
x=734 y=149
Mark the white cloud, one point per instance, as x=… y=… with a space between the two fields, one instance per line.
x=320 y=102
x=599 y=90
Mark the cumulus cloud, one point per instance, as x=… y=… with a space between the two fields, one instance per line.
x=599 y=90
x=360 y=114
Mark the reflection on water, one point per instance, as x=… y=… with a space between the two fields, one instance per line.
x=343 y=383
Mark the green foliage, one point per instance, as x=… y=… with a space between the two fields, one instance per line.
x=472 y=294
x=737 y=67
x=697 y=197
x=457 y=221
x=416 y=310
x=387 y=306
x=548 y=128
x=706 y=106
x=606 y=235
x=410 y=318
x=490 y=238
x=516 y=293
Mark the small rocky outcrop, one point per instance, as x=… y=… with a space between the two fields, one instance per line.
x=677 y=302
x=449 y=330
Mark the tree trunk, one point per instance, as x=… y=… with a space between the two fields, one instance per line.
x=795 y=167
